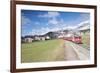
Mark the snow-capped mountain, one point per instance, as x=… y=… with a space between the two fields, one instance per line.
x=84 y=25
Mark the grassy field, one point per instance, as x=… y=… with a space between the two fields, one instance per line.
x=41 y=51
x=86 y=41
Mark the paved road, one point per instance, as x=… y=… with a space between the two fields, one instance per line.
x=75 y=52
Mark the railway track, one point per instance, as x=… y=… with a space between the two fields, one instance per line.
x=75 y=52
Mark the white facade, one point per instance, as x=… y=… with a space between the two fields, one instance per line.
x=28 y=39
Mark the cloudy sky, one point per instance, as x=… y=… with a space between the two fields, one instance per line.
x=40 y=22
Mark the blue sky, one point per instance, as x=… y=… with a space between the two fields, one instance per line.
x=40 y=22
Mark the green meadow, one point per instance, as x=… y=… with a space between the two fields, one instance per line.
x=86 y=41
x=42 y=51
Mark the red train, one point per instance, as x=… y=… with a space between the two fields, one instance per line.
x=75 y=39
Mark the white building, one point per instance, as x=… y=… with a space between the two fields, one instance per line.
x=28 y=39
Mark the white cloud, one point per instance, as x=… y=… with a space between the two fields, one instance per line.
x=50 y=15
x=85 y=16
x=53 y=21
x=53 y=14
x=40 y=31
x=25 y=20
x=56 y=21
x=52 y=18
x=44 y=30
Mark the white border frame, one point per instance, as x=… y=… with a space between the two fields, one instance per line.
x=20 y=65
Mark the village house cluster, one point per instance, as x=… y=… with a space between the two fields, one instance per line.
x=31 y=38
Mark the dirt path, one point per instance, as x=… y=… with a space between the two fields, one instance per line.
x=75 y=52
